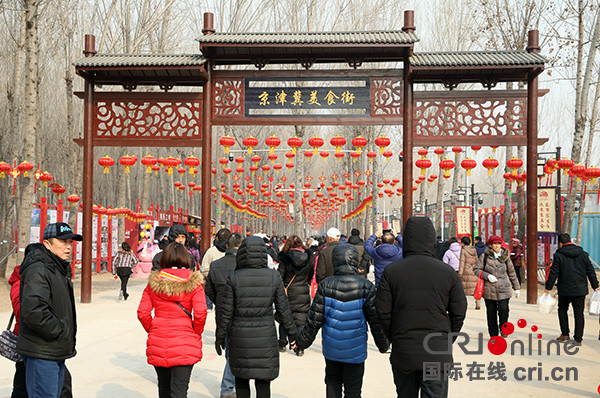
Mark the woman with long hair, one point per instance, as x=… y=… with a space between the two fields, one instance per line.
x=296 y=273
x=174 y=345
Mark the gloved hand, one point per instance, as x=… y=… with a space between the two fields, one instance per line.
x=492 y=278
x=219 y=347
x=517 y=293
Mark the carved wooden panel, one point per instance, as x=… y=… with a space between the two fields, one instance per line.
x=470 y=117
x=228 y=97
x=386 y=97
x=149 y=116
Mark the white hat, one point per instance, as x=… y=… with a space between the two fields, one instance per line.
x=334 y=233
x=260 y=235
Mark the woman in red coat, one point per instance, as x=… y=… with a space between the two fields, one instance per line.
x=174 y=335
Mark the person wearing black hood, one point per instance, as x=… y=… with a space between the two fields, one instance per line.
x=215 y=287
x=419 y=301
x=296 y=272
x=247 y=317
x=573 y=268
x=48 y=325
x=177 y=233
x=364 y=260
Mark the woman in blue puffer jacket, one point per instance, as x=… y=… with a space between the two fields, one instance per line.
x=343 y=306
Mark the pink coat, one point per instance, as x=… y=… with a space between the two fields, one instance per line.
x=173 y=338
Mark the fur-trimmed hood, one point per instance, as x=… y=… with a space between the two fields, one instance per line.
x=174 y=282
x=505 y=253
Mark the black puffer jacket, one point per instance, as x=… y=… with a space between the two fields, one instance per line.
x=47 y=323
x=417 y=296
x=247 y=313
x=344 y=304
x=296 y=272
x=571 y=265
x=217 y=278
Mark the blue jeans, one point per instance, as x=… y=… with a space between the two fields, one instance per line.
x=43 y=377
x=228 y=381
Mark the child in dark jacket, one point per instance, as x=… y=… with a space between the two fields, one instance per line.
x=344 y=304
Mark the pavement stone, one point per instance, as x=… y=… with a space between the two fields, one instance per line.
x=111 y=360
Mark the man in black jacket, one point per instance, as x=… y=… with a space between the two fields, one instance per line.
x=215 y=286
x=571 y=265
x=419 y=301
x=364 y=260
x=47 y=323
x=324 y=263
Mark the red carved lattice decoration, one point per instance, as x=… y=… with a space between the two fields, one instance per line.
x=228 y=97
x=499 y=118
x=386 y=97
x=146 y=117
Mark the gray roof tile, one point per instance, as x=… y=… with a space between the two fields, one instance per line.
x=314 y=38
x=125 y=60
x=477 y=58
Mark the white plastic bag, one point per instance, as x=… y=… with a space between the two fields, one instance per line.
x=546 y=303
x=594 y=307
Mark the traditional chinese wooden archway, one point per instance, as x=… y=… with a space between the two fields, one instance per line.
x=233 y=97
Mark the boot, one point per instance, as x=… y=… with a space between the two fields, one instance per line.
x=477 y=304
x=120 y=295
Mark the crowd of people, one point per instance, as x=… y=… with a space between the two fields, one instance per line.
x=303 y=285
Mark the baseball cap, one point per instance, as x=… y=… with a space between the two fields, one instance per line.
x=61 y=230
x=334 y=233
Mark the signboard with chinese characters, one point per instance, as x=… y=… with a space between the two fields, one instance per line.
x=463 y=221
x=546 y=217
x=331 y=98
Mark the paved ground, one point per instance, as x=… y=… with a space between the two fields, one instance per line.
x=111 y=359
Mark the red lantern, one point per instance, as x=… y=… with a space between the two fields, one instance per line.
x=338 y=142
x=387 y=155
x=371 y=155
x=593 y=173
x=423 y=152
x=45 y=178
x=456 y=150
x=359 y=143
x=25 y=167
x=277 y=167
x=339 y=156
x=294 y=143
x=127 y=161
x=155 y=168
x=433 y=177
x=240 y=170
x=316 y=142
x=490 y=164
x=177 y=184
x=468 y=164
x=73 y=199
x=382 y=142
x=227 y=142
x=223 y=162
x=171 y=163
x=192 y=162
x=272 y=157
x=289 y=165
x=476 y=148
x=58 y=190
x=324 y=155
x=514 y=164
x=227 y=171
x=578 y=170
x=494 y=147
x=509 y=177
x=149 y=161
x=272 y=142
x=439 y=151
x=181 y=171
x=250 y=142
x=106 y=162
x=266 y=168
x=4 y=168
x=565 y=164
x=447 y=165
x=423 y=164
